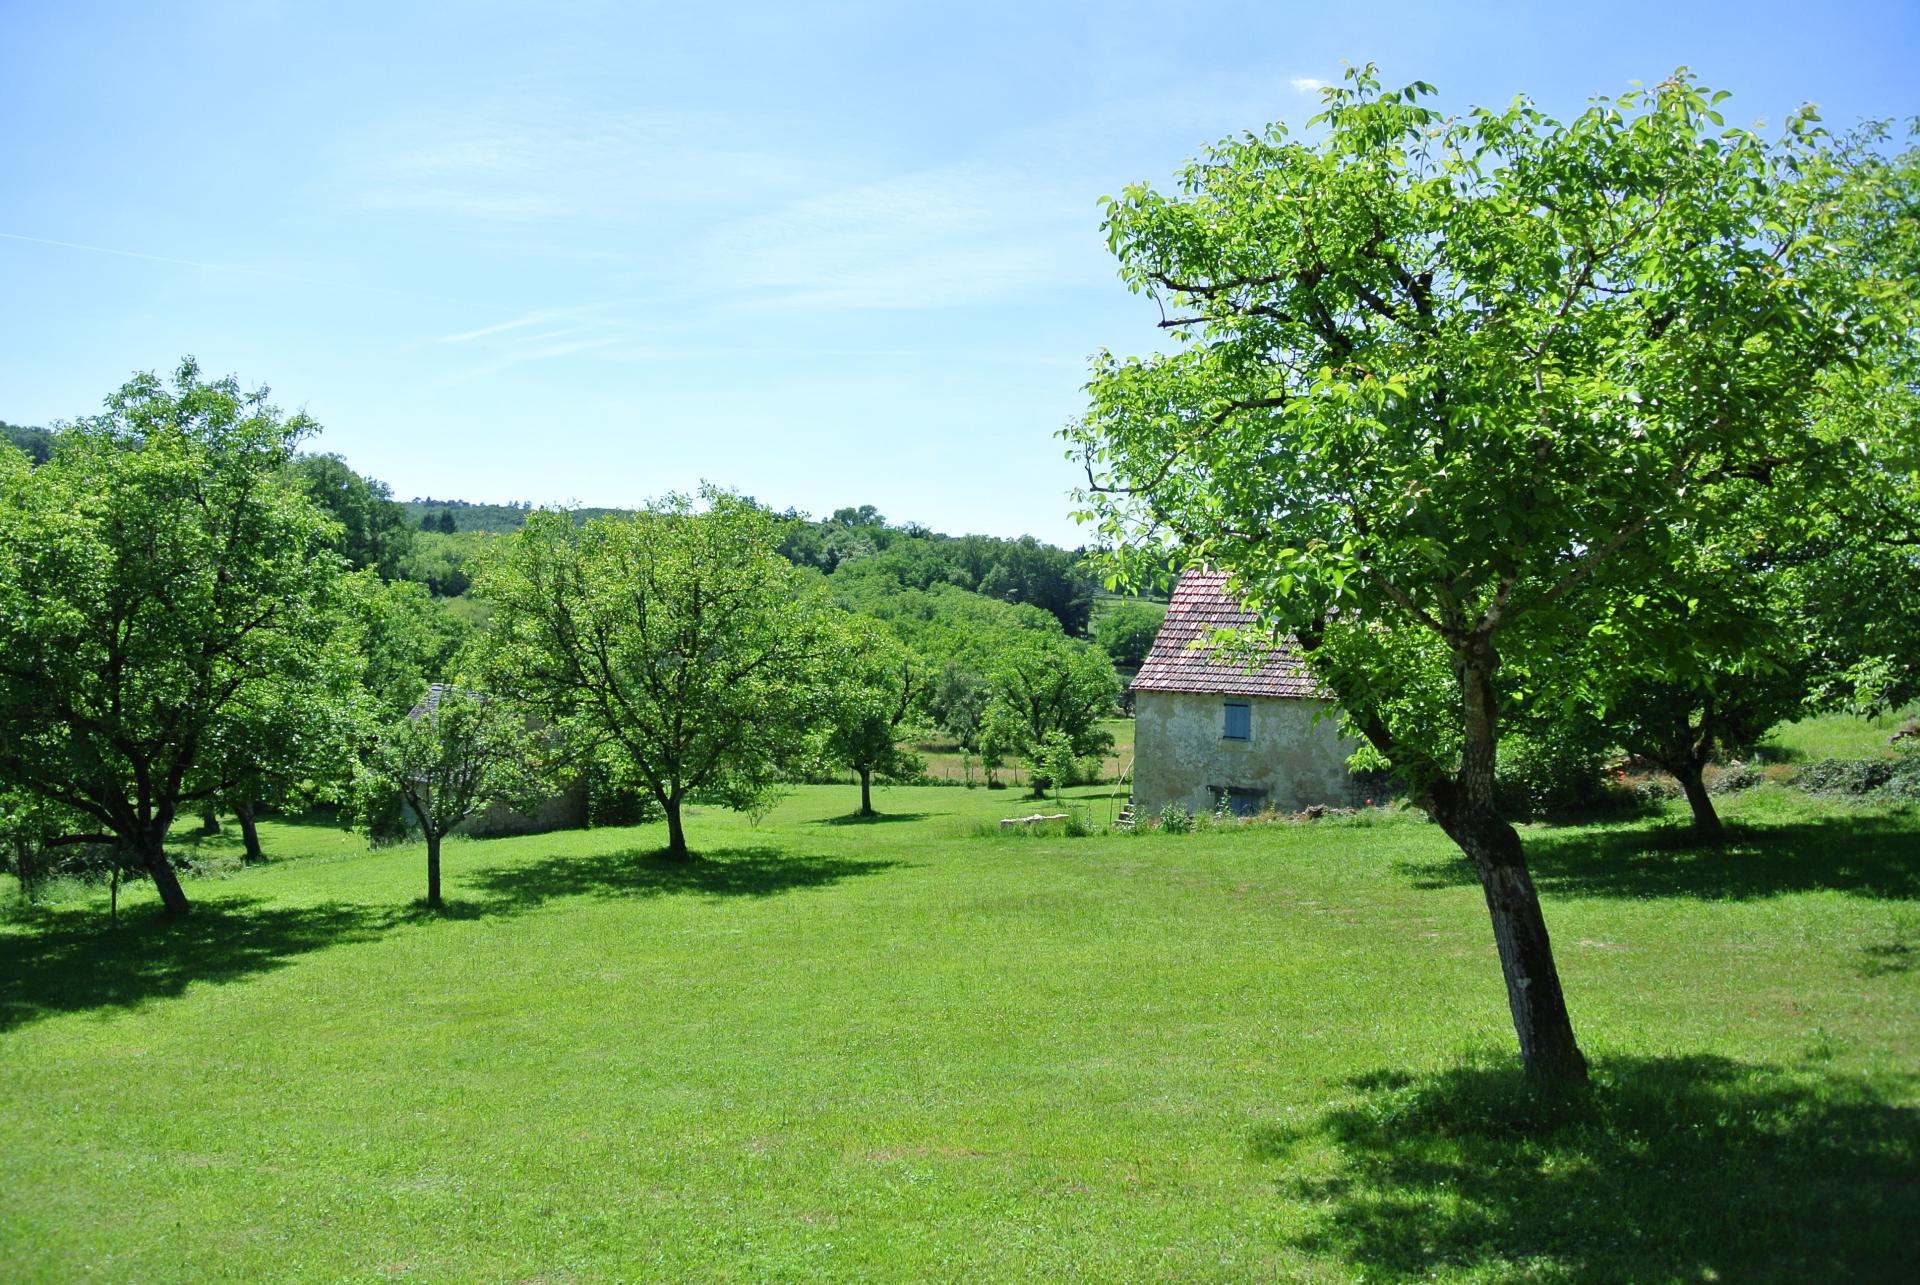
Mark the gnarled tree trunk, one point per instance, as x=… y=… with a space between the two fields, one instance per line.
x=1692 y=782
x=676 y=833
x=1465 y=810
x=249 y=830
x=149 y=848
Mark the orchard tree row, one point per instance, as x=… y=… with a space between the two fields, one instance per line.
x=193 y=616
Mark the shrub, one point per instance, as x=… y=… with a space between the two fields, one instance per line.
x=1549 y=772
x=1175 y=819
x=1652 y=791
x=1896 y=778
x=1736 y=776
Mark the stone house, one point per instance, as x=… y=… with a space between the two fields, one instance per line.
x=1207 y=726
x=565 y=809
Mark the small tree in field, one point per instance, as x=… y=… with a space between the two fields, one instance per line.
x=457 y=753
x=677 y=641
x=166 y=602
x=876 y=684
x=1433 y=373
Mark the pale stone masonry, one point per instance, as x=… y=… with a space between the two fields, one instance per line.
x=1208 y=725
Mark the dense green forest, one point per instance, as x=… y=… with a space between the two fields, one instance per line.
x=36 y=442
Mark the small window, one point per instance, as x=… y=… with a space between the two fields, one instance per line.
x=1242 y=801
x=1239 y=721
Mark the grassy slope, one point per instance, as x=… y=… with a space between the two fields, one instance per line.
x=1840 y=736
x=902 y=1050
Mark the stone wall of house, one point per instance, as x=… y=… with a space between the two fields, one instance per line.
x=564 y=811
x=1288 y=761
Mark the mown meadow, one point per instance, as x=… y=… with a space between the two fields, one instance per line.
x=914 y=1048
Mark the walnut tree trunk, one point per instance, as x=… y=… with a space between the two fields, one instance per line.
x=433 y=870
x=149 y=848
x=1465 y=810
x=1692 y=782
x=249 y=830
x=676 y=832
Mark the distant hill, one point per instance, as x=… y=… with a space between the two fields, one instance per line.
x=36 y=442
x=467 y=516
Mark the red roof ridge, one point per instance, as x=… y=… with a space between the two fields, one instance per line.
x=1183 y=659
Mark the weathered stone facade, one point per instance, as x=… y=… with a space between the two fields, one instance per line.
x=566 y=810
x=1287 y=761
x=1214 y=721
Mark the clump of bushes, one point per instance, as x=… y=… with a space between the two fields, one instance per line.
x=1175 y=819
x=1896 y=779
x=1735 y=777
x=1552 y=772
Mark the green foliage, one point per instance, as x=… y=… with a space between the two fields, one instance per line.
x=1175 y=819
x=451 y=757
x=167 y=611
x=1890 y=779
x=448 y=516
x=373 y=531
x=407 y=639
x=443 y=562
x=1555 y=769
x=1044 y=684
x=874 y=689
x=1054 y=764
x=36 y=442
x=1126 y=629
x=864 y=558
x=677 y=640
x=1444 y=367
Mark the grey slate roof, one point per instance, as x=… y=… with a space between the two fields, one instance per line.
x=431 y=701
x=1180 y=660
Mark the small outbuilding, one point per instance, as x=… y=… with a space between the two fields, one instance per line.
x=563 y=810
x=1208 y=726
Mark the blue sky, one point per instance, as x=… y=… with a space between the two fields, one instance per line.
x=823 y=253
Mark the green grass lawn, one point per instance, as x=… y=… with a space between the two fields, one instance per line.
x=902 y=1050
x=1837 y=736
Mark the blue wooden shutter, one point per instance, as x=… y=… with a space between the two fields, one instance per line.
x=1239 y=721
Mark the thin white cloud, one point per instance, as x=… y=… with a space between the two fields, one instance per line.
x=528 y=163
x=1307 y=84
x=540 y=317
x=934 y=238
x=527 y=353
x=238 y=269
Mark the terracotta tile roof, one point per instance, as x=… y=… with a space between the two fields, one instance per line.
x=1181 y=662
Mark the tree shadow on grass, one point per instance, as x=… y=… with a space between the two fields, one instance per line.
x=1674 y=1168
x=725 y=872
x=1868 y=856
x=878 y=818
x=74 y=960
